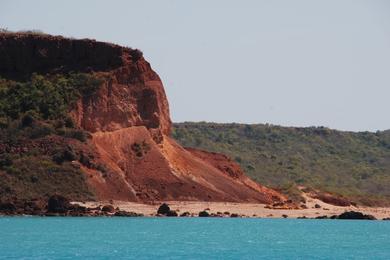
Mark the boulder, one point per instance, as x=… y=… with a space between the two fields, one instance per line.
x=58 y=204
x=164 y=209
x=185 y=214
x=355 y=215
x=108 y=208
x=204 y=214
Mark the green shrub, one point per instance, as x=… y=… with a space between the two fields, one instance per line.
x=45 y=97
x=40 y=130
x=64 y=154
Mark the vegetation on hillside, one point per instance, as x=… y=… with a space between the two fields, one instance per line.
x=46 y=98
x=38 y=141
x=355 y=165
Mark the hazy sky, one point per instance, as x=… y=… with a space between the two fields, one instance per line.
x=298 y=63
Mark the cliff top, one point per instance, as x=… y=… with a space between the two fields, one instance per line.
x=24 y=53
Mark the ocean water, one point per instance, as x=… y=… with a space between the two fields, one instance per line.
x=191 y=238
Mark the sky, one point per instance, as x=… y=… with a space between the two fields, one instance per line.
x=290 y=63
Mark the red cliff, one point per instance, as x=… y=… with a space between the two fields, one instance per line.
x=128 y=118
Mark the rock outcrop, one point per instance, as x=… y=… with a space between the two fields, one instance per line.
x=355 y=215
x=58 y=204
x=128 y=118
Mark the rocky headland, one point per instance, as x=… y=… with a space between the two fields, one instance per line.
x=88 y=121
x=114 y=134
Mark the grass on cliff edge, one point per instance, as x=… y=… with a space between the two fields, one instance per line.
x=30 y=114
x=355 y=165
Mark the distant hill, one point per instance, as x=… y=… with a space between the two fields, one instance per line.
x=352 y=164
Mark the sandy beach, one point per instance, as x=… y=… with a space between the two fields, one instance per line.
x=244 y=209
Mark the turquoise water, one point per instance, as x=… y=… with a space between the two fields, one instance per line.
x=192 y=238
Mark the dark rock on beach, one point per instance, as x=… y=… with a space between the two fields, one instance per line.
x=163 y=209
x=58 y=204
x=355 y=215
x=108 y=208
x=204 y=214
x=185 y=214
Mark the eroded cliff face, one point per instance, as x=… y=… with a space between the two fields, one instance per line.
x=131 y=95
x=128 y=118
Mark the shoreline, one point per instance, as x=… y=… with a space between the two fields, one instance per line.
x=251 y=210
x=313 y=208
